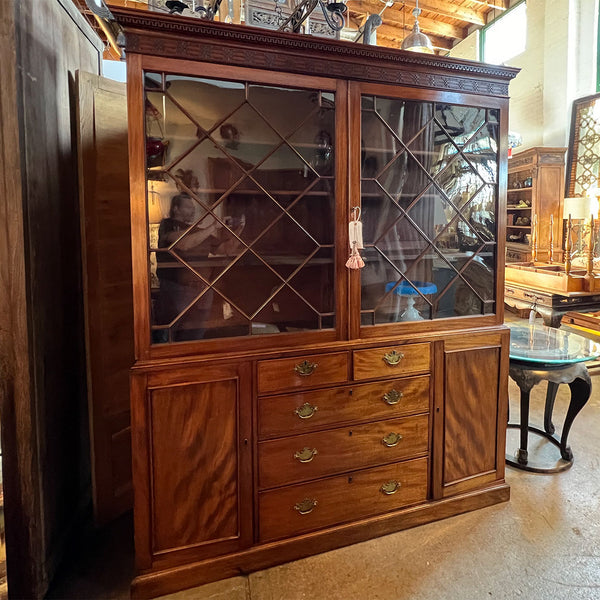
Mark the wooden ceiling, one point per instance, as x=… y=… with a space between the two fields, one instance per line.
x=446 y=22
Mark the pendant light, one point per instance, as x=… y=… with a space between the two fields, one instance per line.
x=416 y=41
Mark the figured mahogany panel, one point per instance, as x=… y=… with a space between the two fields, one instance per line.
x=308 y=411
x=470 y=413
x=341 y=499
x=302 y=372
x=304 y=457
x=194 y=453
x=381 y=362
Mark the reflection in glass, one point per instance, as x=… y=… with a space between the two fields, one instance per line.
x=244 y=181
x=428 y=195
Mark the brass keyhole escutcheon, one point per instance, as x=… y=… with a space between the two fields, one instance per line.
x=305 y=368
x=305 y=506
x=391 y=440
x=306 y=411
x=305 y=455
x=393 y=358
x=392 y=397
x=390 y=487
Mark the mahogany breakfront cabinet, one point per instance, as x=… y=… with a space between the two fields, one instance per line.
x=282 y=404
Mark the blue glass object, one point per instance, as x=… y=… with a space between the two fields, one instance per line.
x=406 y=289
x=549 y=346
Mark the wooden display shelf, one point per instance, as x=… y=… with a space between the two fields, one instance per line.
x=551 y=277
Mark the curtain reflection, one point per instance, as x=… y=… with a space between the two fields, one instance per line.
x=428 y=192
x=245 y=177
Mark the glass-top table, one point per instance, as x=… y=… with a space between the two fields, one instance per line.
x=549 y=346
x=541 y=353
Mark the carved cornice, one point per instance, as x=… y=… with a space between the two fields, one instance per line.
x=555 y=159
x=520 y=162
x=237 y=45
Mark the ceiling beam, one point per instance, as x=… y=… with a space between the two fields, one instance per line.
x=446 y=9
x=492 y=4
x=404 y=19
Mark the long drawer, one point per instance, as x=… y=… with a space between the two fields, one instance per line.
x=302 y=508
x=278 y=375
x=312 y=455
x=307 y=411
x=391 y=361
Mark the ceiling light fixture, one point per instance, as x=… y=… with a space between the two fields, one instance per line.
x=416 y=41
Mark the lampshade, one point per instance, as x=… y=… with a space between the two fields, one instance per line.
x=154 y=208
x=416 y=41
x=580 y=208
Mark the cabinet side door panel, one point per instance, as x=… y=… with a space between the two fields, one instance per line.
x=194 y=433
x=470 y=417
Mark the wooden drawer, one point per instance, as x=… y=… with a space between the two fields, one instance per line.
x=307 y=411
x=371 y=364
x=312 y=455
x=340 y=499
x=283 y=374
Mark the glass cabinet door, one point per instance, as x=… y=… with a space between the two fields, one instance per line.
x=240 y=195
x=429 y=191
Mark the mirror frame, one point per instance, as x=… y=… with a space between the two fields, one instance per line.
x=573 y=157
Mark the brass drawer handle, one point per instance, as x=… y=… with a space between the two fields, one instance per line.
x=392 y=397
x=305 y=368
x=305 y=455
x=306 y=506
x=393 y=358
x=390 y=487
x=391 y=440
x=306 y=411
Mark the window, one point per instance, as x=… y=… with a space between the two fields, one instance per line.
x=506 y=36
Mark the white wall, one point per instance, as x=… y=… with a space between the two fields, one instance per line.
x=558 y=66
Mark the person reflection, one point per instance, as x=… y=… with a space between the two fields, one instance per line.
x=179 y=286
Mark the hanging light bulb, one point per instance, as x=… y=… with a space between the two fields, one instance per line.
x=416 y=41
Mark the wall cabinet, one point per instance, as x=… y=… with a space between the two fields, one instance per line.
x=535 y=190
x=283 y=404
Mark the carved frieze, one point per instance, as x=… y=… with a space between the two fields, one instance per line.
x=248 y=46
x=551 y=159
x=521 y=162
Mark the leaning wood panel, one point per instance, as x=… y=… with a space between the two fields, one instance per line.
x=107 y=287
x=17 y=391
x=44 y=429
x=471 y=413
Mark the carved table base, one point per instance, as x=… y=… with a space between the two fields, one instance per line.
x=526 y=377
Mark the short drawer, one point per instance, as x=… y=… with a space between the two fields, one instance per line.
x=301 y=412
x=391 y=361
x=302 y=372
x=302 y=508
x=312 y=455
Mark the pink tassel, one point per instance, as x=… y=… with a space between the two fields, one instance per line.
x=355 y=261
